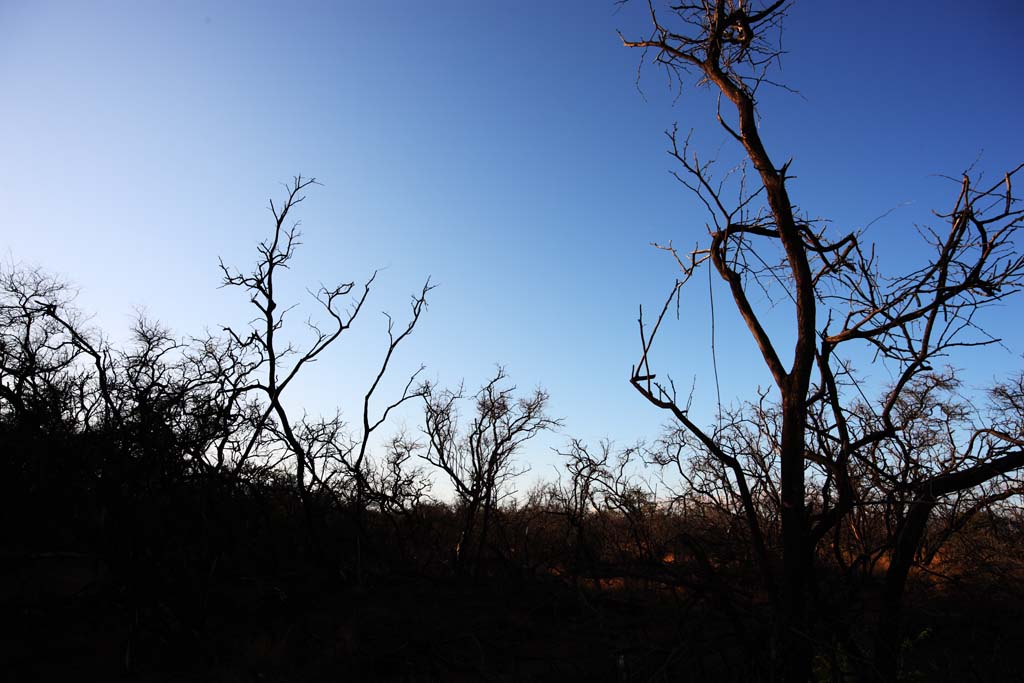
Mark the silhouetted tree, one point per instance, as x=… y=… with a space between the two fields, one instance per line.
x=479 y=462
x=825 y=439
x=321 y=449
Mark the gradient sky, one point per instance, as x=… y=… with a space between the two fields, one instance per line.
x=503 y=149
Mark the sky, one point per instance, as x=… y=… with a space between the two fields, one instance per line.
x=506 y=151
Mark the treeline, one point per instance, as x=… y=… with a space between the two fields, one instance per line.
x=161 y=497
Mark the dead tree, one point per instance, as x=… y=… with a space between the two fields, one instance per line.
x=756 y=238
x=479 y=463
x=578 y=499
x=279 y=360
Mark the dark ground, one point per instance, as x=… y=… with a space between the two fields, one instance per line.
x=66 y=621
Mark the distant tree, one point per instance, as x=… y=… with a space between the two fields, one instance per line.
x=478 y=462
x=169 y=401
x=818 y=452
x=47 y=393
x=36 y=363
x=580 y=496
x=601 y=484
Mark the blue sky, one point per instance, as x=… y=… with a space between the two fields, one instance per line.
x=503 y=149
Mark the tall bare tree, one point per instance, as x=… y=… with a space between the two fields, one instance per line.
x=840 y=299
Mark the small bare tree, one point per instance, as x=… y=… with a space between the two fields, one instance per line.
x=479 y=463
x=579 y=497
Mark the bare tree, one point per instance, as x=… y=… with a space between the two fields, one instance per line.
x=579 y=497
x=174 y=394
x=840 y=298
x=479 y=463
x=314 y=445
x=35 y=351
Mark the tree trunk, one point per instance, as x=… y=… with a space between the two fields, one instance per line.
x=462 y=551
x=792 y=629
x=484 y=528
x=887 y=637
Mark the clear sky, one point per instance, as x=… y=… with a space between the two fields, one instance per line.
x=501 y=148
